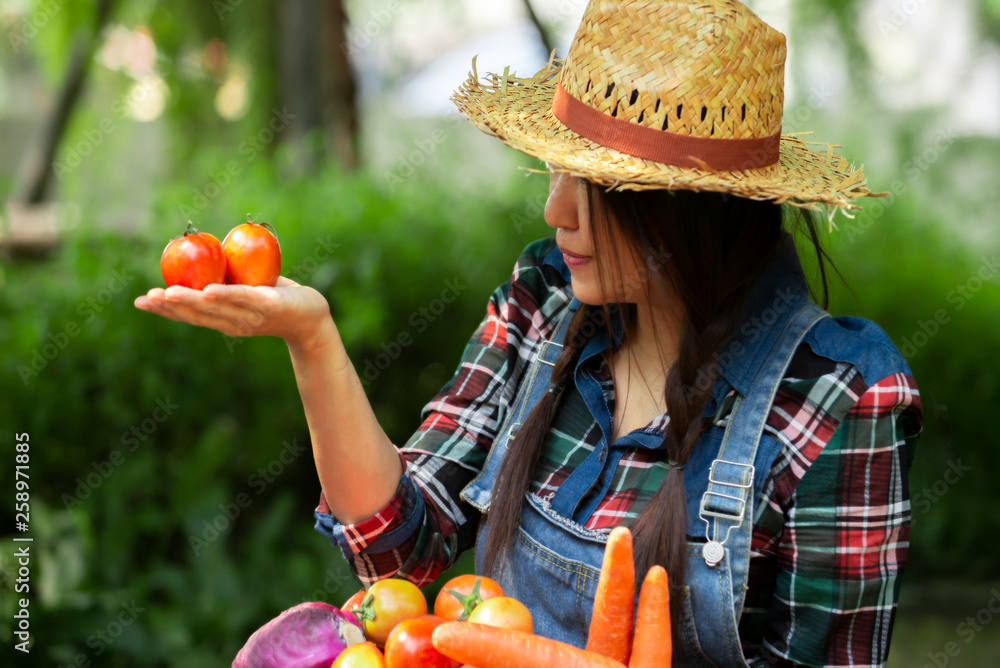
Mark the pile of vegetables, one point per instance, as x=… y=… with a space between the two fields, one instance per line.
x=473 y=624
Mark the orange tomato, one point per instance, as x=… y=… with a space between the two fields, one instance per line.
x=505 y=613
x=461 y=594
x=194 y=260
x=253 y=256
x=387 y=603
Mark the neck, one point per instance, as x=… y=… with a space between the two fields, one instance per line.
x=655 y=339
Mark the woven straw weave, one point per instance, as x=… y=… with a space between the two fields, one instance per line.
x=703 y=69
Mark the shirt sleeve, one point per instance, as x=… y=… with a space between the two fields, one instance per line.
x=846 y=537
x=425 y=526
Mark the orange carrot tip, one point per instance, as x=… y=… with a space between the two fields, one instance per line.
x=652 y=645
x=611 y=622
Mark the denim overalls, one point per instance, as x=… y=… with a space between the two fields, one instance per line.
x=554 y=562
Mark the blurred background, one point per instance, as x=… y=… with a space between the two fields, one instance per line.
x=120 y=121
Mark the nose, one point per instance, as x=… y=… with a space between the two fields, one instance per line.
x=561 y=210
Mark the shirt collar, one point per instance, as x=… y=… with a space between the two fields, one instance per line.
x=779 y=288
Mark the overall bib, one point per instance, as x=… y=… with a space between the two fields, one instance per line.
x=553 y=563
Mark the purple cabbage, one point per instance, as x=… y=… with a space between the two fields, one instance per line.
x=309 y=635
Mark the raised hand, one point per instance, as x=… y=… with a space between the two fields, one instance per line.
x=298 y=314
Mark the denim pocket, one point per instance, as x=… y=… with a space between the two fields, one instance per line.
x=692 y=648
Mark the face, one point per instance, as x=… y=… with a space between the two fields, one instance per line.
x=568 y=211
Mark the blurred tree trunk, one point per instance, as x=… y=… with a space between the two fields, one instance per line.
x=299 y=54
x=36 y=173
x=316 y=82
x=340 y=113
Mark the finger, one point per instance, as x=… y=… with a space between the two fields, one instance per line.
x=183 y=295
x=286 y=283
x=243 y=295
x=148 y=301
x=193 y=315
x=216 y=299
x=260 y=299
x=208 y=304
x=189 y=306
x=165 y=313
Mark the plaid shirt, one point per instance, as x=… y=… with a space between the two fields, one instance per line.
x=831 y=531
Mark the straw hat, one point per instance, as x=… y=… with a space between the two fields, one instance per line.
x=666 y=94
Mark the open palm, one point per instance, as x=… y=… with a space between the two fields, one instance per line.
x=291 y=311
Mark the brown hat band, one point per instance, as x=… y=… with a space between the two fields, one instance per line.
x=660 y=145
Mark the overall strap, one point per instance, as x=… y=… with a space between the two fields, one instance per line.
x=727 y=506
x=479 y=492
x=538 y=377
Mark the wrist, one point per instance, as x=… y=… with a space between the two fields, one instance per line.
x=320 y=338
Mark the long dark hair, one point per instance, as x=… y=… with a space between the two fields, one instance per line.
x=715 y=247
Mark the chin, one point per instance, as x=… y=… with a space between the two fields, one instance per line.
x=588 y=294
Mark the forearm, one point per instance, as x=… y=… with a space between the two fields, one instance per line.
x=357 y=464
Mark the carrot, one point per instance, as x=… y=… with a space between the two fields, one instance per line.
x=614 y=604
x=652 y=646
x=491 y=647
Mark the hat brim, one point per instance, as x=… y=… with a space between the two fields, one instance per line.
x=519 y=113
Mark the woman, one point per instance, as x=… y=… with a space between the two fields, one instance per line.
x=658 y=363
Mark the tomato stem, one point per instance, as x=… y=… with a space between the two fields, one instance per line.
x=269 y=228
x=366 y=611
x=469 y=601
x=191 y=229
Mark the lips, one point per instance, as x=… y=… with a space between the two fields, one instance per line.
x=573 y=259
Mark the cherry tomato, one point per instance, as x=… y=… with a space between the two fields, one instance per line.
x=194 y=260
x=450 y=607
x=253 y=256
x=504 y=613
x=354 y=601
x=409 y=646
x=362 y=655
x=387 y=603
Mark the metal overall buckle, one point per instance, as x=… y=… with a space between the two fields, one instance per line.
x=541 y=351
x=713 y=551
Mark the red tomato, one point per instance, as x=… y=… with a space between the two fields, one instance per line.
x=449 y=607
x=193 y=260
x=433 y=619
x=354 y=601
x=253 y=256
x=504 y=613
x=409 y=646
x=362 y=655
x=387 y=603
